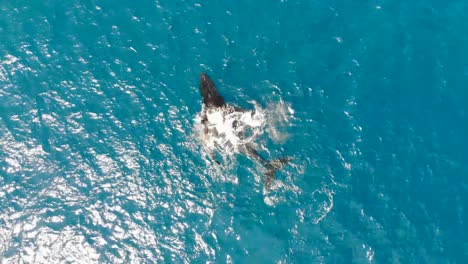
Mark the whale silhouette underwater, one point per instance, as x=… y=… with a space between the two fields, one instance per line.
x=226 y=127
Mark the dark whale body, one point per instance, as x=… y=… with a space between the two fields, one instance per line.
x=213 y=100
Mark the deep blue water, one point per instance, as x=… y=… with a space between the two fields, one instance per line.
x=98 y=162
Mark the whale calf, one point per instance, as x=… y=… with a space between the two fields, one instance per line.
x=225 y=125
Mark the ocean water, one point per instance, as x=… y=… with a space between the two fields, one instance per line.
x=99 y=162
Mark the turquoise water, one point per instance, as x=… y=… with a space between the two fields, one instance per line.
x=99 y=163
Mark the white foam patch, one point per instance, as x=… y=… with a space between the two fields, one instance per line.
x=227 y=130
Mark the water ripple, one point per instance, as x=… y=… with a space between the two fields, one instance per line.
x=99 y=162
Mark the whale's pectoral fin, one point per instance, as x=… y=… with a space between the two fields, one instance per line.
x=272 y=167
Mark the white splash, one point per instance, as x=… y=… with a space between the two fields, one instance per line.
x=228 y=129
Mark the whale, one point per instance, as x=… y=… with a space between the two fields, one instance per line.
x=215 y=108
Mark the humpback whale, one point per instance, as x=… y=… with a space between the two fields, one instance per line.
x=225 y=122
